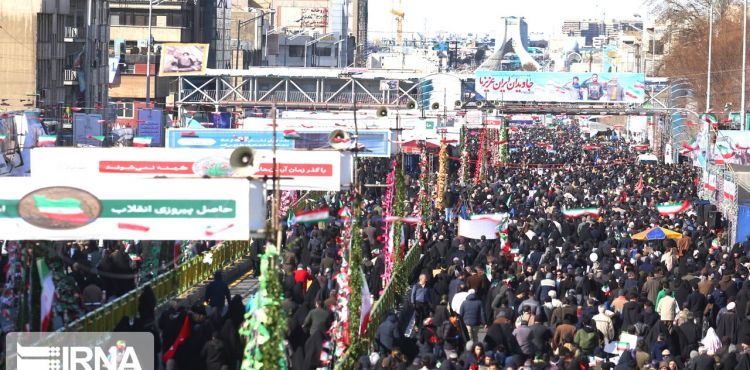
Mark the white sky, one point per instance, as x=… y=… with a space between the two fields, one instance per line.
x=480 y=16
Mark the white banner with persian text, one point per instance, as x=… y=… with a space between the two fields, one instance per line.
x=475 y=229
x=319 y=170
x=76 y=208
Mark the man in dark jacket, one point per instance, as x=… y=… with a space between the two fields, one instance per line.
x=217 y=293
x=472 y=314
x=215 y=353
x=388 y=335
x=319 y=319
x=688 y=335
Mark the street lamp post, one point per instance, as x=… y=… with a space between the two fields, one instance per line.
x=710 y=45
x=151 y=4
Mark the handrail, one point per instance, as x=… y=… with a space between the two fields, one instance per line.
x=392 y=294
x=165 y=286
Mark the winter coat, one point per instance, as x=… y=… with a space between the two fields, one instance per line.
x=215 y=354
x=472 y=311
x=388 y=334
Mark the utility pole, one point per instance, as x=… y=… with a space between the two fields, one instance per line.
x=88 y=57
x=148 y=55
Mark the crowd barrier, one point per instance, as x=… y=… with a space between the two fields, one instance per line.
x=392 y=295
x=166 y=286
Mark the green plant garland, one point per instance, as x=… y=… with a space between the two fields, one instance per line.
x=355 y=278
x=503 y=157
x=398 y=211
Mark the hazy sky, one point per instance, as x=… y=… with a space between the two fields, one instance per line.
x=480 y=16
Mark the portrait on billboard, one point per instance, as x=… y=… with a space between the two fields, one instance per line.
x=183 y=59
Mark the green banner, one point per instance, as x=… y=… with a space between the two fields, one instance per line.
x=149 y=208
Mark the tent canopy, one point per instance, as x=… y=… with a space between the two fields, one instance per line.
x=657 y=233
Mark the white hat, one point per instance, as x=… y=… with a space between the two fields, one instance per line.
x=472 y=291
x=593 y=257
x=730 y=306
x=618 y=266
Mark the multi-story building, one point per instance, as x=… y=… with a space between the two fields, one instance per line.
x=172 y=21
x=310 y=33
x=52 y=55
x=592 y=30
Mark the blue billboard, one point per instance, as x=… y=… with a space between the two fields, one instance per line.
x=375 y=143
x=588 y=87
x=150 y=124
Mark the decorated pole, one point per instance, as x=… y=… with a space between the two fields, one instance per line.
x=503 y=142
x=442 y=173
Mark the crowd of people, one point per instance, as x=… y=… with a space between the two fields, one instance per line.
x=574 y=293
x=562 y=293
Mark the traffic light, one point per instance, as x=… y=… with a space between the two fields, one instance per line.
x=425 y=92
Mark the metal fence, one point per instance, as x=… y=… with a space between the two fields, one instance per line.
x=392 y=295
x=165 y=286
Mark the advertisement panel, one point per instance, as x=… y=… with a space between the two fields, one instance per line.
x=183 y=59
x=561 y=86
x=142 y=209
x=376 y=143
x=150 y=125
x=313 y=170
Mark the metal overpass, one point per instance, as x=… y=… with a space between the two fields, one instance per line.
x=341 y=89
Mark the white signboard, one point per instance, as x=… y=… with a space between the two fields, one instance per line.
x=319 y=170
x=475 y=229
x=72 y=208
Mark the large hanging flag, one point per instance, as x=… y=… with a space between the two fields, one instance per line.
x=724 y=151
x=65 y=209
x=669 y=209
x=141 y=141
x=181 y=338
x=580 y=212
x=364 y=311
x=3 y=137
x=316 y=215
x=48 y=293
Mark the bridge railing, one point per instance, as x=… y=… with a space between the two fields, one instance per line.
x=166 y=286
x=392 y=295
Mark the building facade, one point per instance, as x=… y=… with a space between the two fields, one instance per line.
x=53 y=54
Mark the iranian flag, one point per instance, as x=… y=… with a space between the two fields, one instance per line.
x=641 y=147
x=730 y=189
x=408 y=220
x=65 y=209
x=317 y=215
x=48 y=293
x=724 y=151
x=693 y=145
x=3 y=137
x=292 y=135
x=141 y=141
x=591 y=147
x=46 y=140
x=669 y=209
x=710 y=119
x=344 y=213
x=364 y=311
x=580 y=212
x=181 y=337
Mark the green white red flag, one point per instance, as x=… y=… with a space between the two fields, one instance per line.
x=580 y=212
x=48 y=294
x=669 y=209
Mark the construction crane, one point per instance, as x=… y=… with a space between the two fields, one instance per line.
x=399 y=13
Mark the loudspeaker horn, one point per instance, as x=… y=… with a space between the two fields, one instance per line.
x=411 y=105
x=382 y=112
x=480 y=103
x=458 y=104
x=435 y=106
x=339 y=140
x=241 y=160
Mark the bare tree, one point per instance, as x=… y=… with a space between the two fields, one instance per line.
x=687 y=57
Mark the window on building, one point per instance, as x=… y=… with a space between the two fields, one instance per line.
x=139 y=20
x=125 y=109
x=323 y=51
x=296 y=51
x=114 y=19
